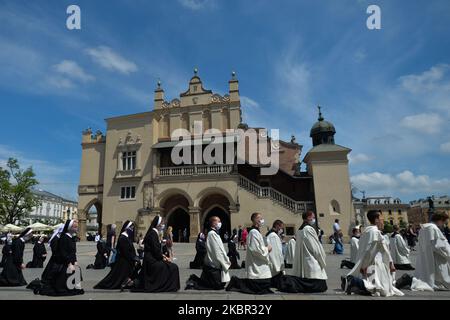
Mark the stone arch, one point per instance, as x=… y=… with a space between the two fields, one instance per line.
x=213 y=190
x=167 y=194
x=175 y=210
x=216 y=204
x=85 y=216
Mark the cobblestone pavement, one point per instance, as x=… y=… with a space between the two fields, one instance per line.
x=185 y=253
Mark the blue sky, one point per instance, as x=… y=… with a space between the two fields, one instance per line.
x=387 y=91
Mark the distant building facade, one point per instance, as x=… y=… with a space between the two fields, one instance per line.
x=53 y=209
x=393 y=210
x=419 y=210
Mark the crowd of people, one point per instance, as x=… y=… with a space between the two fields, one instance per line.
x=374 y=258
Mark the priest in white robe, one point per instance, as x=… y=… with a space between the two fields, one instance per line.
x=354 y=246
x=399 y=251
x=374 y=263
x=276 y=258
x=257 y=263
x=215 y=272
x=309 y=273
x=289 y=256
x=433 y=258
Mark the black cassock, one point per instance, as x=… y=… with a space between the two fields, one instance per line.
x=11 y=275
x=55 y=281
x=200 y=247
x=6 y=251
x=233 y=254
x=156 y=275
x=293 y=284
x=38 y=256
x=123 y=268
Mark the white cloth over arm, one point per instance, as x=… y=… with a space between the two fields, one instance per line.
x=216 y=256
x=290 y=252
x=309 y=255
x=354 y=245
x=276 y=257
x=399 y=250
x=257 y=257
x=433 y=258
x=374 y=255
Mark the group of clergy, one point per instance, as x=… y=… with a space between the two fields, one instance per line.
x=374 y=258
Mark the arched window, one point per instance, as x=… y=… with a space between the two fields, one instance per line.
x=335 y=208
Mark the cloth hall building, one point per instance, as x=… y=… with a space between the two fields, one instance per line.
x=128 y=173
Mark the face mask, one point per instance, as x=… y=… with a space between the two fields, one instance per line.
x=219 y=225
x=162 y=226
x=261 y=222
x=280 y=232
x=313 y=221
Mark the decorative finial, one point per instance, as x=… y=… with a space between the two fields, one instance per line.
x=159 y=83
x=320 y=113
x=195 y=71
x=233 y=75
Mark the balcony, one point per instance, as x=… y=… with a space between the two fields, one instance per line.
x=199 y=170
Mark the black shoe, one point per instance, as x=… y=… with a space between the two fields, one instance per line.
x=404 y=281
x=342 y=264
x=348 y=285
x=231 y=284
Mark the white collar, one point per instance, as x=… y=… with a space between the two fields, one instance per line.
x=156 y=230
x=69 y=234
x=23 y=240
x=125 y=234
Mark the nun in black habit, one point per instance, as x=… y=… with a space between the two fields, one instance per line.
x=39 y=254
x=101 y=257
x=200 y=247
x=11 y=275
x=158 y=273
x=6 y=251
x=64 y=276
x=125 y=268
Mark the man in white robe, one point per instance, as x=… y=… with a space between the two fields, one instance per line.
x=399 y=251
x=257 y=262
x=290 y=250
x=354 y=246
x=276 y=258
x=309 y=273
x=215 y=272
x=373 y=262
x=433 y=258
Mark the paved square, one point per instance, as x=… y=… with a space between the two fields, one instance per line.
x=184 y=254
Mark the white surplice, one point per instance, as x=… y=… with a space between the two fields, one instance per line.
x=276 y=257
x=354 y=245
x=309 y=257
x=399 y=250
x=257 y=256
x=290 y=251
x=373 y=254
x=433 y=258
x=216 y=256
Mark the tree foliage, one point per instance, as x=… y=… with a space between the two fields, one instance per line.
x=16 y=197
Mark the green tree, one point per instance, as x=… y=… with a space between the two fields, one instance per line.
x=16 y=197
x=388 y=228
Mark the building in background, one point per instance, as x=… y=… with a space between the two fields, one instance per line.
x=128 y=174
x=53 y=209
x=393 y=210
x=418 y=212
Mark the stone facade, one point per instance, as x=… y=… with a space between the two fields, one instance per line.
x=128 y=173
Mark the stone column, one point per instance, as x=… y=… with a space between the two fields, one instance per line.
x=82 y=226
x=233 y=210
x=194 y=214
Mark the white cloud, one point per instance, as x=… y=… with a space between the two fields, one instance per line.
x=359 y=158
x=72 y=70
x=111 y=60
x=426 y=81
x=445 y=147
x=197 y=4
x=405 y=182
x=424 y=122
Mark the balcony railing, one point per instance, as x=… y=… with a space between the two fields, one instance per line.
x=276 y=196
x=196 y=170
